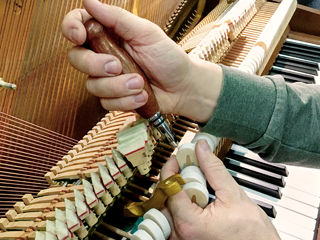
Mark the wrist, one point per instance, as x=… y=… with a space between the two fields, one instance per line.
x=200 y=99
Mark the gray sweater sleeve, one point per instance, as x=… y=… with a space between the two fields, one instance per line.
x=280 y=121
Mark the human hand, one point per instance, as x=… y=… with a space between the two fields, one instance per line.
x=231 y=216
x=181 y=85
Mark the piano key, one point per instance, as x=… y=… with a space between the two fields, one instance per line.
x=302 y=43
x=292 y=75
x=289 y=211
x=296 y=67
x=294 y=72
x=256 y=184
x=305 y=62
x=308 y=51
x=283 y=224
x=287 y=236
x=285 y=202
x=233 y=164
x=304 y=179
x=267 y=208
x=299 y=55
x=290 y=78
x=301 y=196
x=247 y=156
x=311 y=177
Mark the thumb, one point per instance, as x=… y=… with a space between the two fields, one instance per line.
x=125 y=24
x=217 y=175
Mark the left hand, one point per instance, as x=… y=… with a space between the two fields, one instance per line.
x=231 y=216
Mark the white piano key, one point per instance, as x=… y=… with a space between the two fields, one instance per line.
x=291 y=204
x=301 y=178
x=291 y=215
x=301 y=196
x=283 y=225
x=304 y=179
x=286 y=236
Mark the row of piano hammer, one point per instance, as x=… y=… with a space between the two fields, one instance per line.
x=63 y=210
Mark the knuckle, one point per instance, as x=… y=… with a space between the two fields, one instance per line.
x=105 y=103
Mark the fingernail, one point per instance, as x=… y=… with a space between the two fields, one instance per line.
x=134 y=83
x=139 y=98
x=111 y=67
x=204 y=145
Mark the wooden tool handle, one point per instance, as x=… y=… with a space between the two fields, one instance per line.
x=100 y=42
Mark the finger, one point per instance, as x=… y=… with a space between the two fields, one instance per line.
x=181 y=207
x=115 y=87
x=216 y=173
x=170 y=168
x=125 y=24
x=72 y=26
x=165 y=211
x=94 y=64
x=179 y=204
x=125 y=103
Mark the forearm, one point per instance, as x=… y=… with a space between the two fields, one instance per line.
x=278 y=120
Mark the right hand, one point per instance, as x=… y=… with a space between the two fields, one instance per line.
x=181 y=85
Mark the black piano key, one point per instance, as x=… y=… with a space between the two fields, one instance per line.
x=304 y=62
x=256 y=184
x=266 y=207
x=302 y=49
x=299 y=55
x=291 y=78
x=271 y=167
x=254 y=172
x=293 y=73
x=295 y=66
x=308 y=45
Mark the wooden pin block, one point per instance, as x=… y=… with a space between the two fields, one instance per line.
x=20 y=225
x=12 y=235
x=55 y=169
x=72 y=152
x=49 y=215
x=49 y=177
x=97 y=129
x=66 y=158
x=27 y=199
x=78 y=147
x=101 y=124
x=49 y=198
x=44 y=207
x=19 y=206
x=4 y=223
x=41 y=226
x=92 y=133
x=30 y=216
x=11 y=214
x=87 y=138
